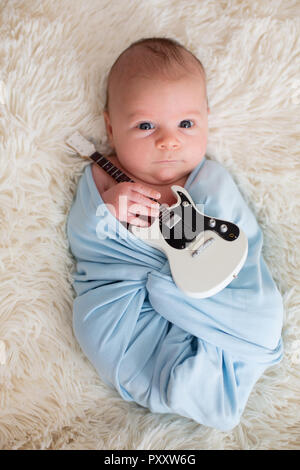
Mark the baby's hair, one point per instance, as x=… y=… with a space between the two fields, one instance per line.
x=164 y=54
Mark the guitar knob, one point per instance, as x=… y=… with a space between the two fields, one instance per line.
x=212 y=223
x=223 y=228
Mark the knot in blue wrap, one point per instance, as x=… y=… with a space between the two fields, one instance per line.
x=166 y=351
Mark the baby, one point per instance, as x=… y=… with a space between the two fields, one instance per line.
x=158 y=347
x=156 y=121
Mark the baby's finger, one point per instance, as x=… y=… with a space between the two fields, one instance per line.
x=142 y=200
x=137 y=221
x=143 y=210
x=138 y=188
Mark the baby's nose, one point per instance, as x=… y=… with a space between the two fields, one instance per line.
x=168 y=142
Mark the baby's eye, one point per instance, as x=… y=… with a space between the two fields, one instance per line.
x=145 y=126
x=186 y=123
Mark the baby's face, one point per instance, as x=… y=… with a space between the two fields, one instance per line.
x=159 y=128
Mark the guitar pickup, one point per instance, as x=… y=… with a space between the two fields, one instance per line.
x=203 y=247
x=171 y=220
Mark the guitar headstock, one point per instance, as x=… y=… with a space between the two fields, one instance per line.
x=82 y=146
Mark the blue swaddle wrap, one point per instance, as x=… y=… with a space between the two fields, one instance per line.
x=166 y=351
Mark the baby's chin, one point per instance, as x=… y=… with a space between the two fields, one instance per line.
x=166 y=175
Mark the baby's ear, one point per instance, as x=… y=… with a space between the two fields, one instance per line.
x=108 y=127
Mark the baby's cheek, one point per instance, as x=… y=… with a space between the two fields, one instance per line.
x=203 y=142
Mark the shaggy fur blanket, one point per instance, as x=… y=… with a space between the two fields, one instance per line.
x=54 y=60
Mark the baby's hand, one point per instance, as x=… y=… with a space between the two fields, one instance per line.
x=126 y=201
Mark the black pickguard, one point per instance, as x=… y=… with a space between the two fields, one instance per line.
x=192 y=223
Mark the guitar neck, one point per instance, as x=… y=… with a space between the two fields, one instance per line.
x=111 y=169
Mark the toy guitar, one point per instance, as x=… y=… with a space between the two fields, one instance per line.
x=205 y=254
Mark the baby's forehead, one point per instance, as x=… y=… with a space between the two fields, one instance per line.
x=138 y=62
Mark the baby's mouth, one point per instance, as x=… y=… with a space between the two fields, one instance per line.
x=168 y=161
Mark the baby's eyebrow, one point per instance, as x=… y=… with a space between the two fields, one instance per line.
x=137 y=114
x=185 y=113
x=194 y=112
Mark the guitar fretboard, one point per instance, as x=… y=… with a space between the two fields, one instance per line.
x=111 y=169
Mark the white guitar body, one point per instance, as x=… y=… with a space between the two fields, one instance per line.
x=205 y=254
x=207 y=265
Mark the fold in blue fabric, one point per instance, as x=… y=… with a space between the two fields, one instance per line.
x=170 y=353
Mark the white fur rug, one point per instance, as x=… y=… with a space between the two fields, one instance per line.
x=54 y=57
